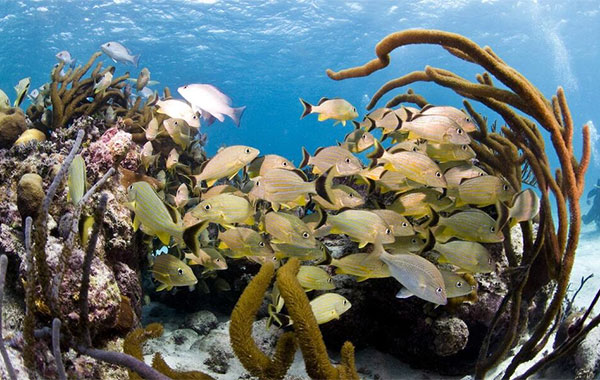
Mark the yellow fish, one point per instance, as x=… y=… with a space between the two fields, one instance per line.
x=329 y=306
x=261 y=165
x=172 y=159
x=358 y=141
x=225 y=209
x=449 y=152
x=455 y=175
x=437 y=129
x=178 y=109
x=179 y=131
x=221 y=189
x=341 y=196
x=470 y=256
x=152 y=129
x=76 y=180
x=226 y=163
x=406 y=244
x=418 y=202
x=471 y=225
x=345 y=163
x=337 y=109
x=314 y=278
x=318 y=253
x=484 y=191
x=456 y=285
x=103 y=83
x=147 y=157
x=21 y=89
x=242 y=241
x=288 y=229
x=210 y=258
x=458 y=116
x=170 y=272
x=362 y=265
x=142 y=79
x=361 y=226
x=398 y=223
x=152 y=213
x=182 y=196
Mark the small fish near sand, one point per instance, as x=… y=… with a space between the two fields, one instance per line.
x=338 y=109
x=119 y=53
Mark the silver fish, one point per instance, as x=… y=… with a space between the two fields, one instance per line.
x=119 y=53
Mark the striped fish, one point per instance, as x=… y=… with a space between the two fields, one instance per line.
x=317 y=253
x=358 y=140
x=242 y=241
x=342 y=159
x=470 y=256
x=361 y=226
x=419 y=276
x=406 y=244
x=329 y=306
x=456 y=285
x=261 y=165
x=397 y=182
x=398 y=223
x=76 y=180
x=449 y=152
x=288 y=229
x=221 y=189
x=362 y=265
x=152 y=213
x=470 y=225
x=526 y=205
x=226 y=163
x=484 y=191
x=458 y=116
x=418 y=202
x=414 y=165
x=314 y=278
x=341 y=196
x=285 y=187
x=179 y=131
x=225 y=209
x=210 y=258
x=437 y=129
x=170 y=272
x=455 y=175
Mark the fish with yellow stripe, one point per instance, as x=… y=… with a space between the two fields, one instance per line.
x=242 y=241
x=288 y=229
x=263 y=164
x=458 y=116
x=345 y=163
x=210 y=258
x=469 y=256
x=226 y=163
x=484 y=191
x=225 y=209
x=361 y=265
x=437 y=129
x=362 y=226
x=470 y=225
x=151 y=213
x=314 y=278
x=338 y=109
x=329 y=306
x=171 y=272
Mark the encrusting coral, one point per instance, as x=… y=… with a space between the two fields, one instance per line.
x=518 y=143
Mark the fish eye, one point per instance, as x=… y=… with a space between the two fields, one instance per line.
x=364 y=137
x=130 y=188
x=329 y=280
x=247 y=150
x=217 y=260
x=261 y=244
x=459 y=131
x=347 y=160
x=490 y=261
x=257 y=183
x=194 y=117
x=207 y=207
x=404 y=224
x=439 y=290
x=350 y=195
x=492 y=229
x=388 y=231
x=464 y=147
x=468 y=119
x=176 y=123
x=274 y=258
x=305 y=235
x=108 y=44
x=438 y=174
x=414 y=241
x=459 y=284
x=344 y=302
x=505 y=187
x=284 y=163
x=180 y=271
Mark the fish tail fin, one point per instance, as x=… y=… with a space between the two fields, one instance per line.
x=236 y=116
x=73 y=63
x=305 y=157
x=190 y=236
x=429 y=243
x=323 y=184
x=307 y=108
x=136 y=60
x=376 y=153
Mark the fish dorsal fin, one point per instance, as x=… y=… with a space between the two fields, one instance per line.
x=356 y=125
x=426 y=107
x=300 y=173
x=305 y=158
x=319 y=149
x=322 y=100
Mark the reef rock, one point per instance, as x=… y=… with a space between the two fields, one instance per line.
x=12 y=124
x=451 y=335
x=201 y=322
x=30 y=194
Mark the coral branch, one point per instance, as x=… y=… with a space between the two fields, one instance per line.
x=29 y=320
x=5 y=357
x=124 y=360
x=240 y=332
x=60 y=368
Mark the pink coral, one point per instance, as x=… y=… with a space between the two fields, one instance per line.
x=115 y=146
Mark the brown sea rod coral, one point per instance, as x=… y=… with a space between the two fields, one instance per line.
x=548 y=255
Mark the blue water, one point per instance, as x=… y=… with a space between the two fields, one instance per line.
x=266 y=54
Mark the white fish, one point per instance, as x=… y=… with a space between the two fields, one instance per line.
x=119 y=53
x=103 y=83
x=178 y=109
x=210 y=101
x=65 y=56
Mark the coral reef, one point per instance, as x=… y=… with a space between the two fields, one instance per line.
x=12 y=125
x=518 y=143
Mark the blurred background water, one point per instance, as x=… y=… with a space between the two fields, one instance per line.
x=267 y=54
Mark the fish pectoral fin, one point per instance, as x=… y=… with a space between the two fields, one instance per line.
x=210 y=182
x=162 y=287
x=249 y=220
x=136 y=223
x=404 y=293
x=361 y=278
x=275 y=206
x=362 y=244
x=344 y=123
x=222 y=245
x=322 y=117
x=164 y=237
